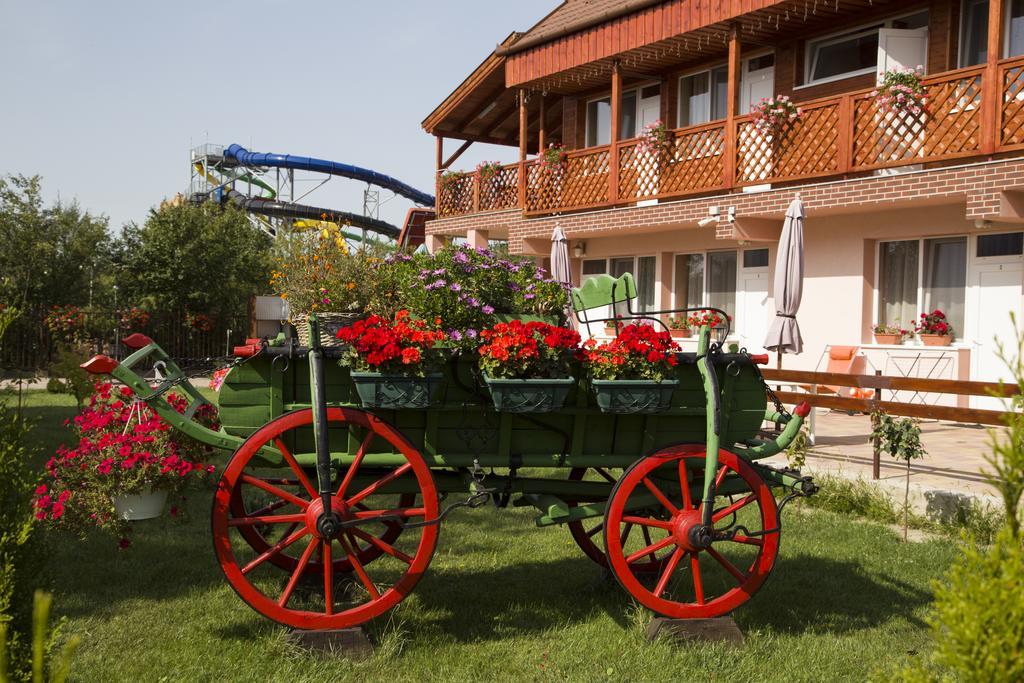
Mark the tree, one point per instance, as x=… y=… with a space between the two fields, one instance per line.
x=900 y=439
x=193 y=259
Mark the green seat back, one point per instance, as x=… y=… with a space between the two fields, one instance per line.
x=603 y=290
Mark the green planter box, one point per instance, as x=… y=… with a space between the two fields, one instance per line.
x=633 y=395
x=396 y=392
x=529 y=395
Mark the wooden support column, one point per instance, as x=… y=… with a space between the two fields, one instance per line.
x=991 y=87
x=523 y=126
x=732 y=103
x=438 y=158
x=613 y=147
x=542 y=135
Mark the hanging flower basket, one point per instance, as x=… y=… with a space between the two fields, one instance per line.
x=901 y=92
x=397 y=392
x=772 y=115
x=634 y=395
x=146 y=504
x=529 y=395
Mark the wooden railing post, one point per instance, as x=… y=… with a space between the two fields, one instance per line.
x=844 y=142
x=732 y=100
x=523 y=125
x=876 y=446
x=991 y=88
x=613 y=146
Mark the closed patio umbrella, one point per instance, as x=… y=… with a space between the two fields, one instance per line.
x=560 y=269
x=784 y=334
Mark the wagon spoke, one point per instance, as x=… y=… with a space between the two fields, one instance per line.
x=278 y=547
x=625 y=534
x=698 y=584
x=729 y=566
x=647 y=521
x=650 y=550
x=384 y=515
x=276 y=505
x=595 y=530
x=719 y=478
x=386 y=547
x=290 y=459
x=729 y=509
x=379 y=484
x=267 y=519
x=297 y=574
x=670 y=569
x=350 y=473
x=684 y=484
x=748 y=540
x=273 y=490
x=328 y=577
x=660 y=496
x=358 y=567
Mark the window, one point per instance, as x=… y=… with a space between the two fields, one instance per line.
x=854 y=52
x=594 y=267
x=974 y=32
x=689 y=281
x=722 y=281
x=944 y=281
x=703 y=96
x=755 y=258
x=1006 y=244
x=599 y=115
x=932 y=272
x=643 y=269
x=1015 y=30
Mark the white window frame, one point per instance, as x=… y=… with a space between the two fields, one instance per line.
x=636 y=110
x=744 y=65
x=707 y=273
x=971 y=251
x=636 y=275
x=810 y=57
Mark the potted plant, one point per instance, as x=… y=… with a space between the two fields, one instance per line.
x=450 y=179
x=634 y=372
x=125 y=464
x=486 y=170
x=901 y=91
x=772 y=114
x=553 y=158
x=612 y=327
x=679 y=326
x=654 y=140
x=526 y=365
x=889 y=333
x=708 y=317
x=390 y=361
x=933 y=329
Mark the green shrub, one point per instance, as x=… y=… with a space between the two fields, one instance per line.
x=67 y=376
x=21 y=552
x=42 y=643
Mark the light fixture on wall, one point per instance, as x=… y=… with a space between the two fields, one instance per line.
x=982 y=223
x=579 y=250
x=715 y=216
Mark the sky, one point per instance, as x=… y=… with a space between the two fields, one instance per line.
x=104 y=99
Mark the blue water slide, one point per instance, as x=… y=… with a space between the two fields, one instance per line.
x=243 y=156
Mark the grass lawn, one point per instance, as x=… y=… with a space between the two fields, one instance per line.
x=502 y=600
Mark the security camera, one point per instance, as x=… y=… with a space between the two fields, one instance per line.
x=707 y=220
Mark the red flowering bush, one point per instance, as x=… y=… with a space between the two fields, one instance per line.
x=639 y=352
x=399 y=347
x=123 y=448
x=534 y=350
x=199 y=322
x=65 y=322
x=933 y=323
x=134 y=319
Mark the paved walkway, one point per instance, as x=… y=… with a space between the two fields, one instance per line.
x=955 y=460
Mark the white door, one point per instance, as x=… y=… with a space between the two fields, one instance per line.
x=901 y=49
x=996 y=292
x=756 y=86
x=649 y=108
x=751 y=324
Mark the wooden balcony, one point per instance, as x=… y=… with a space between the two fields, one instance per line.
x=971 y=112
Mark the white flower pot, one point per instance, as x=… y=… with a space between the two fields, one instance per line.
x=146 y=504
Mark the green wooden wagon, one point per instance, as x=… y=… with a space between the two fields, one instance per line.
x=327 y=512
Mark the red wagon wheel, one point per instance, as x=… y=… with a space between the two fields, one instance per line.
x=311 y=598
x=696 y=581
x=585 y=531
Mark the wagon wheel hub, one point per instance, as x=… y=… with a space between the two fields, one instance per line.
x=688 y=532
x=327 y=525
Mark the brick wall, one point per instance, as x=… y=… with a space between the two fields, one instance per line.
x=977 y=186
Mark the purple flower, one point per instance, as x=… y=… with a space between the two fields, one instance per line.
x=455 y=335
x=436 y=284
x=440 y=271
x=487 y=309
x=455 y=287
x=528 y=296
x=539 y=275
x=460 y=257
x=514 y=287
x=472 y=302
x=471 y=333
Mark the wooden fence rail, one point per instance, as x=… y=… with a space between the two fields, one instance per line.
x=813 y=381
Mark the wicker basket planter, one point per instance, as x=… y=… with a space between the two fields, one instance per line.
x=633 y=395
x=397 y=392
x=330 y=323
x=529 y=395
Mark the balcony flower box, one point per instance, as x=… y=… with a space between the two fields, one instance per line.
x=890 y=339
x=936 y=339
x=529 y=395
x=933 y=329
x=889 y=333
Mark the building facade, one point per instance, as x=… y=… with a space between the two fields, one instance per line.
x=907 y=211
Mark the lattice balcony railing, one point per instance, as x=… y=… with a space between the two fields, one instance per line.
x=969 y=112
